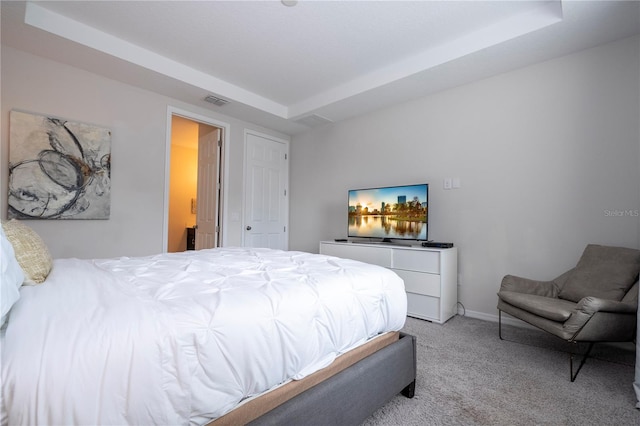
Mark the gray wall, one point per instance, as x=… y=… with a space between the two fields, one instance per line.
x=547 y=155
x=138 y=122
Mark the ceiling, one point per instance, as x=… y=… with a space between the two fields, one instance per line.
x=292 y=68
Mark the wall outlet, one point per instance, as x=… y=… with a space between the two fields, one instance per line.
x=447 y=183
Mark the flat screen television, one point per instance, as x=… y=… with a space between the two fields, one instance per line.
x=389 y=213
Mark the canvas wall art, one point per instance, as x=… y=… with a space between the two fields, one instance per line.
x=58 y=169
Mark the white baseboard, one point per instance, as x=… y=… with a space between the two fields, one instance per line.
x=506 y=318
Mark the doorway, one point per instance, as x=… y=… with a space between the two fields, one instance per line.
x=195 y=184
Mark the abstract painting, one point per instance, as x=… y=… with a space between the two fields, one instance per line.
x=58 y=169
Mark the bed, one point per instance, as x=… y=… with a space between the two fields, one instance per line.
x=220 y=336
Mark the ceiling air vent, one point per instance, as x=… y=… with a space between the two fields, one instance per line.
x=216 y=100
x=312 y=120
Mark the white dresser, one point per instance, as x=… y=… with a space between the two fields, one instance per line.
x=430 y=275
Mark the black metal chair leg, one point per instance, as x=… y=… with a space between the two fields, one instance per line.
x=410 y=390
x=572 y=353
x=573 y=375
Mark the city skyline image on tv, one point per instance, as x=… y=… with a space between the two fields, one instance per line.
x=398 y=212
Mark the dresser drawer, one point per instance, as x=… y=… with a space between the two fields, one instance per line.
x=417 y=260
x=424 y=307
x=375 y=255
x=420 y=282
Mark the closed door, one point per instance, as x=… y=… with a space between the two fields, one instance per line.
x=266 y=200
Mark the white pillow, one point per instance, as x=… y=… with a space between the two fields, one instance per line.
x=11 y=277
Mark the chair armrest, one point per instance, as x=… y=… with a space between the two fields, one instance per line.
x=528 y=286
x=590 y=305
x=601 y=320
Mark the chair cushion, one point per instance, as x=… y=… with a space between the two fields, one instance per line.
x=546 y=307
x=603 y=272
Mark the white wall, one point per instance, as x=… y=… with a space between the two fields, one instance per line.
x=137 y=119
x=542 y=153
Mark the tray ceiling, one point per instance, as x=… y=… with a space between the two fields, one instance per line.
x=291 y=68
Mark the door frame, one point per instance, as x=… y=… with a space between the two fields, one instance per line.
x=287 y=145
x=226 y=136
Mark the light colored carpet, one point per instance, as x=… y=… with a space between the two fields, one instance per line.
x=468 y=376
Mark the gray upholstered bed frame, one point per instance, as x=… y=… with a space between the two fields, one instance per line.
x=352 y=395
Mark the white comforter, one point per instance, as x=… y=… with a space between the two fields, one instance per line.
x=183 y=338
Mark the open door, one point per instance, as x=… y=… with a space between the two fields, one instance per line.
x=194 y=185
x=207 y=229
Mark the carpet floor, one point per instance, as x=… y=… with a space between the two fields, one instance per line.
x=468 y=376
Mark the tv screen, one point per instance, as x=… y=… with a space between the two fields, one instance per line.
x=389 y=213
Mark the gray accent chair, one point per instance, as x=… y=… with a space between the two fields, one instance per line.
x=597 y=301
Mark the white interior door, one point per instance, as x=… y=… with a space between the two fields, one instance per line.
x=208 y=187
x=266 y=202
